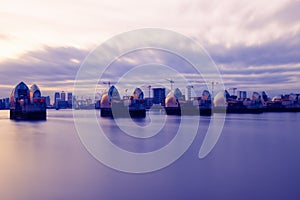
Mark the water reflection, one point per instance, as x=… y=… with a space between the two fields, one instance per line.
x=255 y=158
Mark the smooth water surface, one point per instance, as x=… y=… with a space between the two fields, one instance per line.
x=256 y=157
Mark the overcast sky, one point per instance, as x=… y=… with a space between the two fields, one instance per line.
x=255 y=44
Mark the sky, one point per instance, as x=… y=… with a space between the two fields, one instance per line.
x=255 y=44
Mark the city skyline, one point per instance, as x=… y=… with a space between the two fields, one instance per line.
x=254 y=45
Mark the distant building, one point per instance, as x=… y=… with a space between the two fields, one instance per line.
x=159 y=96
x=148 y=103
x=70 y=99
x=62 y=96
x=89 y=101
x=27 y=103
x=179 y=94
x=56 y=98
x=189 y=92
x=7 y=104
x=61 y=101
x=35 y=93
x=47 y=101
x=4 y=103
x=265 y=96
x=97 y=104
x=62 y=105
x=242 y=95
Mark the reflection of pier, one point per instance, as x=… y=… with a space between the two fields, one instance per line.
x=27 y=104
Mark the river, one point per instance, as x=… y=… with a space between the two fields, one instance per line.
x=256 y=157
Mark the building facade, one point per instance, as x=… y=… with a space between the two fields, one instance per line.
x=159 y=96
x=56 y=98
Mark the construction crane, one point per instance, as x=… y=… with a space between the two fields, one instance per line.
x=199 y=83
x=149 y=89
x=108 y=83
x=171 y=83
x=213 y=83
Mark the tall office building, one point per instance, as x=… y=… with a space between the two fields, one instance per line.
x=6 y=103
x=159 y=96
x=56 y=98
x=242 y=94
x=70 y=99
x=189 y=92
x=63 y=96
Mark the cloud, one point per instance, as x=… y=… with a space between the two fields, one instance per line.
x=273 y=64
x=4 y=37
x=49 y=67
x=284 y=50
x=253 y=42
x=289 y=13
x=89 y=22
x=55 y=68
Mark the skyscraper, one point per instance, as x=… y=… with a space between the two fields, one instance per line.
x=242 y=94
x=159 y=96
x=189 y=92
x=63 y=96
x=70 y=97
x=56 y=98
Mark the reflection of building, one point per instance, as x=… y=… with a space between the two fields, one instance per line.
x=159 y=96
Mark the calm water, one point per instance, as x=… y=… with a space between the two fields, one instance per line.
x=256 y=157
